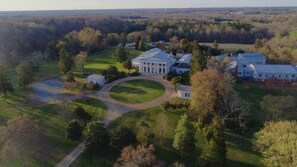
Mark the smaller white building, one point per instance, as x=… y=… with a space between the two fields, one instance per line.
x=183 y=64
x=184 y=91
x=96 y=79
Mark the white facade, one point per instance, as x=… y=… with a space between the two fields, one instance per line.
x=184 y=91
x=154 y=62
x=245 y=59
x=281 y=72
x=96 y=79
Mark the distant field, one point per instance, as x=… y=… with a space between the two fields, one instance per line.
x=232 y=47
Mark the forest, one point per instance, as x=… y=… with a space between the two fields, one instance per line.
x=26 y=36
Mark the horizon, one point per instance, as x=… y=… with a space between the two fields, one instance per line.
x=58 y=5
x=97 y=9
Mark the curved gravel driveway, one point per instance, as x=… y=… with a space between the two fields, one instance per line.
x=116 y=109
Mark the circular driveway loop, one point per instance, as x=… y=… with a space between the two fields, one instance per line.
x=116 y=109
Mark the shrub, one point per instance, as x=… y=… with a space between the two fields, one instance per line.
x=73 y=130
x=176 y=106
x=91 y=86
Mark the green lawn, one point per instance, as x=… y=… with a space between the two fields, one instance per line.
x=94 y=106
x=101 y=60
x=55 y=145
x=253 y=94
x=239 y=148
x=137 y=91
x=52 y=125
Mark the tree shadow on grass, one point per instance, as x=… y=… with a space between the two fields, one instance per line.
x=127 y=89
x=233 y=163
x=91 y=102
x=150 y=84
x=242 y=142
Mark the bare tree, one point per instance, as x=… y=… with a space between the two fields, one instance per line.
x=19 y=138
x=139 y=156
x=80 y=61
x=234 y=112
x=64 y=107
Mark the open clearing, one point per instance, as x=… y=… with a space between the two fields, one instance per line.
x=232 y=46
x=100 y=61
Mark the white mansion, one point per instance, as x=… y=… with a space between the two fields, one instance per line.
x=154 y=62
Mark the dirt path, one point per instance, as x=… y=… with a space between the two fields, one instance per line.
x=116 y=109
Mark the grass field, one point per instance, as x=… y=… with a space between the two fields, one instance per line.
x=47 y=116
x=94 y=106
x=137 y=91
x=239 y=148
x=52 y=125
x=100 y=61
x=232 y=47
x=53 y=128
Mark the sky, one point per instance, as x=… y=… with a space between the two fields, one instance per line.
x=19 y=5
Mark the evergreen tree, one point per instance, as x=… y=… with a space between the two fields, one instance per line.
x=137 y=42
x=5 y=83
x=120 y=54
x=73 y=130
x=215 y=45
x=82 y=114
x=184 y=140
x=258 y=44
x=121 y=137
x=199 y=60
x=128 y=65
x=141 y=45
x=97 y=137
x=25 y=73
x=214 y=152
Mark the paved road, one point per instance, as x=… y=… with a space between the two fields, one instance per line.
x=50 y=89
x=72 y=156
x=116 y=109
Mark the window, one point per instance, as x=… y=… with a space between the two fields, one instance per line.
x=163 y=65
x=279 y=75
x=163 y=70
x=152 y=63
x=143 y=62
x=160 y=64
x=293 y=76
x=260 y=75
x=148 y=63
